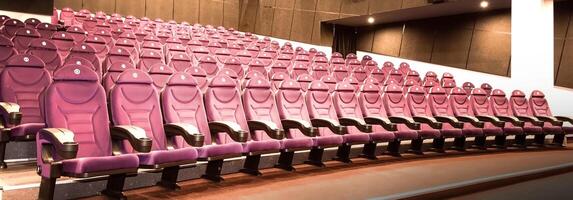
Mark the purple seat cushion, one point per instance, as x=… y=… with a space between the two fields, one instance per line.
x=513 y=130
x=451 y=133
x=328 y=140
x=295 y=143
x=429 y=133
x=533 y=129
x=27 y=129
x=552 y=129
x=492 y=131
x=167 y=156
x=263 y=145
x=472 y=132
x=382 y=136
x=406 y=135
x=356 y=138
x=97 y=164
x=219 y=150
x=568 y=129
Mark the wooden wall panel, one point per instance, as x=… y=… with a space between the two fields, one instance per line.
x=265 y=17
x=107 y=6
x=414 y=3
x=73 y=4
x=130 y=7
x=451 y=47
x=562 y=16
x=387 y=40
x=248 y=18
x=186 y=10
x=231 y=13
x=376 y=6
x=322 y=34
x=285 y=4
x=499 y=21
x=159 y=9
x=305 y=5
x=302 y=26
x=566 y=65
x=282 y=23
x=365 y=39
x=417 y=41
x=210 y=12
x=356 y=7
x=328 y=6
x=490 y=52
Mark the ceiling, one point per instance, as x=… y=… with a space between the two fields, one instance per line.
x=450 y=7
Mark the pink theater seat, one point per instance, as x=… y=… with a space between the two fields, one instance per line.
x=379 y=75
x=387 y=67
x=365 y=60
x=113 y=72
x=149 y=58
x=78 y=34
x=160 y=74
x=23 y=37
x=330 y=82
x=10 y=27
x=47 y=52
x=209 y=64
x=359 y=73
x=117 y=54
x=7 y=50
x=200 y=76
x=46 y=29
x=98 y=44
x=87 y=52
x=371 y=66
x=413 y=75
x=235 y=65
x=130 y=46
x=222 y=55
x=64 y=42
x=431 y=76
x=180 y=62
x=304 y=80
x=318 y=71
x=276 y=80
x=404 y=68
x=487 y=88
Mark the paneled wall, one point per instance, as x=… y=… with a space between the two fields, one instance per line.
x=479 y=42
x=214 y=12
x=563 y=30
x=300 y=20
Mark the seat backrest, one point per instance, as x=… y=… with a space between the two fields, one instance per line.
x=346 y=104
x=320 y=105
x=76 y=101
x=304 y=81
x=259 y=104
x=200 y=76
x=47 y=52
x=117 y=54
x=113 y=72
x=21 y=82
x=231 y=74
x=353 y=81
x=379 y=75
x=99 y=45
x=23 y=37
x=370 y=100
x=223 y=103
x=394 y=101
x=87 y=52
x=265 y=58
x=487 y=88
x=480 y=102
x=359 y=73
x=149 y=58
x=180 y=62
x=413 y=75
x=431 y=76
x=353 y=64
x=234 y=64
x=370 y=65
x=130 y=46
x=10 y=27
x=418 y=102
x=67 y=15
x=500 y=104
x=209 y=64
x=64 y=42
x=298 y=68
x=539 y=105
x=460 y=103
x=291 y=105
x=182 y=102
x=134 y=101
x=448 y=85
x=257 y=65
x=340 y=72
x=468 y=87
x=46 y=29
x=78 y=34
x=222 y=55
x=387 y=67
x=407 y=84
x=428 y=85
x=365 y=59
x=330 y=81
x=278 y=67
x=277 y=79
x=438 y=100
x=446 y=77
x=318 y=71
x=404 y=68
x=160 y=74
x=396 y=76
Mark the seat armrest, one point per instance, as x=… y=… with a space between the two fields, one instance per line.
x=428 y=120
x=301 y=125
x=494 y=120
x=474 y=121
x=189 y=133
x=134 y=135
x=565 y=119
x=230 y=128
x=554 y=121
x=405 y=120
x=385 y=123
x=270 y=128
x=11 y=115
x=332 y=125
x=358 y=123
x=450 y=120
x=61 y=141
x=532 y=120
x=512 y=120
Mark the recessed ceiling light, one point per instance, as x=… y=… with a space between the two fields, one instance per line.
x=371 y=20
x=484 y=4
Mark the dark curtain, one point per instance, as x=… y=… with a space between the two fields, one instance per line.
x=344 y=39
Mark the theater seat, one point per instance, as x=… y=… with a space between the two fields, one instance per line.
x=487 y=88
x=64 y=42
x=82 y=148
x=330 y=82
x=226 y=116
x=160 y=74
x=277 y=79
x=350 y=115
x=339 y=72
x=296 y=121
x=99 y=45
x=87 y=52
x=501 y=109
x=135 y=102
x=149 y=58
x=23 y=37
x=182 y=103
x=180 y=62
x=209 y=64
x=468 y=87
x=47 y=52
x=359 y=73
x=304 y=80
x=113 y=72
x=10 y=27
x=46 y=30
x=482 y=109
x=442 y=110
x=542 y=111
